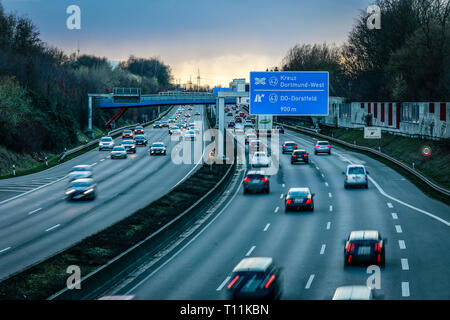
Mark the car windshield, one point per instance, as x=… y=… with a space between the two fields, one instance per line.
x=255 y=176
x=118 y=149
x=290 y=144
x=128 y=142
x=298 y=193
x=158 y=145
x=127 y=131
x=355 y=170
x=80 y=184
x=106 y=140
x=299 y=152
x=81 y=169
x=139 y=138
x=323 y=143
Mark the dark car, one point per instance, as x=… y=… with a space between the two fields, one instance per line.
x=139 y=130
x=129 y=146
x=289 y=146
x=256 y=181
x=81 y=189
x=158 y=148
x=127 y=134
x=230 y=114
x=140 y=140
x=299 y=156
x=164 y=124
x=255 y=278
x=299 y=199
x=280 y=129
x=231 y=124
x=366 y=247
x=238 y=120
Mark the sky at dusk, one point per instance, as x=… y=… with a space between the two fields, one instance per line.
x=225 y=39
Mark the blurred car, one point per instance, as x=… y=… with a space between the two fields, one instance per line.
x=140 y=140
x=171 y=128
x=256 y=181
x=241 y=114
x=259 y=159
x=227 y=109
x=231 y=124
x=239 y=129
x=353 y=293
x=187 y=115
x=118 y=152
x=299 y=156
x=255 y=145
x=81 y=189
x=197 y=113
x=248 y=125
x=105 y=143
x=181 y=125
x=249 y=137
x=237 y=120
x=230 y=114
x=255 y=278
x=299 y=199
x=196 y=130
x=322 y=147
x=157 y=124
x=139 y=130
x=158 y=148
x=289 y=146
x=356 y=175
x=80 y=171
x=127 y=134
x=365 y=246
x=164 y=124
x=129 y=146
x=280 y=129
x=190 y=108
x=176 y=132
x=189 y=135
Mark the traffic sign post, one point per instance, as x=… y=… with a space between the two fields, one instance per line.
x=289 y=93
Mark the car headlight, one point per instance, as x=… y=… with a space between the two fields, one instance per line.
x=70 y=191
x=88 y=191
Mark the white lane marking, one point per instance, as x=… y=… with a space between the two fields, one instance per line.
x=6 y=249
x=330 y=195
x=34 y=211
x=94 y=164
x=54 y=227
x=102 y=160
x=331 y=208
x=326 y=184
x=401 y=244
x=390 y=205
x=283 y=185
x=267 y=227
x=323 y=176
x=276 y=209
x=405 y=289
x=322 y=249
x=310 y=280
x=408 y=205
x=317 y=168
x=398 y=228
x=328 y=225
x=281 y=196
x=394 y=216
x=250 y=251
x=405 y=265
x=223 y=283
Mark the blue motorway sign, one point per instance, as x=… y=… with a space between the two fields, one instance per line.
x=289 y=93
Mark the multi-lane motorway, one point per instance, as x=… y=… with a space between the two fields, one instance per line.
x=36 y=221
x=309 y=246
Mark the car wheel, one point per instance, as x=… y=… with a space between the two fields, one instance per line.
x=267 y=190
x=366 y=186
x=345 y=186
x=286 y=209
x=245 y=191
x=292 y=162
x=315 y=152
x=329 y=152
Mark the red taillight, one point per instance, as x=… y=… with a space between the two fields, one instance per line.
x=365 y=176
x=295 y=147
x=308 y=201
x=305 y=155
x=247 y=180
x=231 y=284
x=379 y=256
x=272 y=277
x=294 y=156
x=288 y=201
x=377 y=246
x=350 y=247
x=317 y=146
x=349 y=258
x=264 y=179
x=329 y=146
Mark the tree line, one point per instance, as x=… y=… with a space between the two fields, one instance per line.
x=44 y=92
x=407 y=59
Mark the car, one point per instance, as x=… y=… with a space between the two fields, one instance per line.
x=259 y=159
x=176 y=132
x=80 y=171
x=227 y=109
x=190 y=108
x=248 y=125
x=187 y=115
x=139 y=130
x=164 y=124
x=231 y=124
x=196 y=130
x=280 y=129
x=81 y=189
x=237 y=120
x=158 y=148
x=105 y=143
x=289 y=146
x=250 y=137
x=189 y=135
x=255 y=278
x=299 y=199
x=140 y=140
x=256 y=181
x=356 y=175
x=157 y=124
x=127 y=134
x=197 y=113
x=322 y=147
x=353 y=293
x=181 y=125
x=171 y=128
x=299 y=155
x=365 y=247
x=255 y=145
x=242 y=114
x=129 y=145
x=118 y=152
x=230 y=114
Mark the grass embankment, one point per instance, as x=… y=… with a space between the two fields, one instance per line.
x=49 y=276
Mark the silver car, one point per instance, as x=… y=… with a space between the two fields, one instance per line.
x=118 y=152
x=356 y=175
x=82 y=171
x=158 y=148
x=106 y=143
x=322 y=147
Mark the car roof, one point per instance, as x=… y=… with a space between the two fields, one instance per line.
x=126 y=130
x=254 y=264
x=88 y=180
x=300 y=189
x=355 y=165
x=299 y=150
x=158 y=142
x=289 y=141
x=352 y=293
x=261 y=172
x=364 y=235
x=107 y=137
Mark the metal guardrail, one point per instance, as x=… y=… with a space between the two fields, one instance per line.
x=111 y=133
x=414 y=172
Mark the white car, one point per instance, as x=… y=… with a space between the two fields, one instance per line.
x=106 y=143
x=82 y=171
x=356 y=175
x=322 y=147
x=189 y=135
x=239 y=129
x=118 y=152
x=259 y=159
x=158 y=148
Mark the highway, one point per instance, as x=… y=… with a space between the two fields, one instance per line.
x=309 y=246
x=36 y=221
